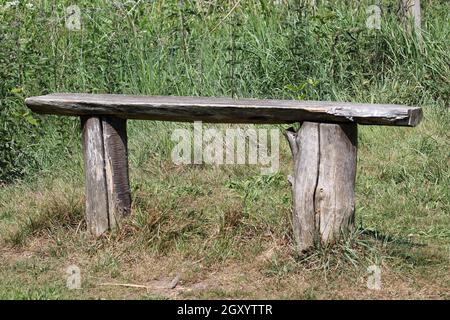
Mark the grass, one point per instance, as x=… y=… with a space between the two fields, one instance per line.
x=225 y=230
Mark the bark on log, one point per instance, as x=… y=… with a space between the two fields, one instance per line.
x=108 y=196
x=116 y=169
x=323 y=183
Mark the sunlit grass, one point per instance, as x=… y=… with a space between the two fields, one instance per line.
x=225 y=229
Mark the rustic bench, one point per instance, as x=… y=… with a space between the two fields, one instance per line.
x=324 y=149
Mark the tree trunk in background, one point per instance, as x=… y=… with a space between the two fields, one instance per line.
x=411 y=13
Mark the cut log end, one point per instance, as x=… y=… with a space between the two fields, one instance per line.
x=323 y=183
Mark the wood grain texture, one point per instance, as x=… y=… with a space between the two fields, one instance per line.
x=226 y=110
x=305 y=150
x=323 y=183
x=95 y=181
x=335 y=191
x=116 y=169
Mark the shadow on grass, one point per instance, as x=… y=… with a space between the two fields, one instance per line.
x=389 y=239
x=409 y=251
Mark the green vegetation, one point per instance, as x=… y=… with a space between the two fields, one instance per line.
x=239 y=245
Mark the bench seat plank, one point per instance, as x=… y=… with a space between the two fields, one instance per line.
x=223 y=110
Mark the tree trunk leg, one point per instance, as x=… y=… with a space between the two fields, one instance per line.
x=94 y=169
x=108 y=196
x=323 y=183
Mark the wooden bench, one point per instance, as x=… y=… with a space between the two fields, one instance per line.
x=324 y=149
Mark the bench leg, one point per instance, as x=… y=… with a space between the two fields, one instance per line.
x=323 y=184
x=108 y=196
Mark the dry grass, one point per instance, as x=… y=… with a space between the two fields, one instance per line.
x=273 y=273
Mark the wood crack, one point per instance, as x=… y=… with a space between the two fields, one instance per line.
x=102 y=130
x=315 y=200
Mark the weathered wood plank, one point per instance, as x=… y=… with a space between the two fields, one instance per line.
x=94 y=169
x=171 y=108
x=323 y=184
x=116 y=169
